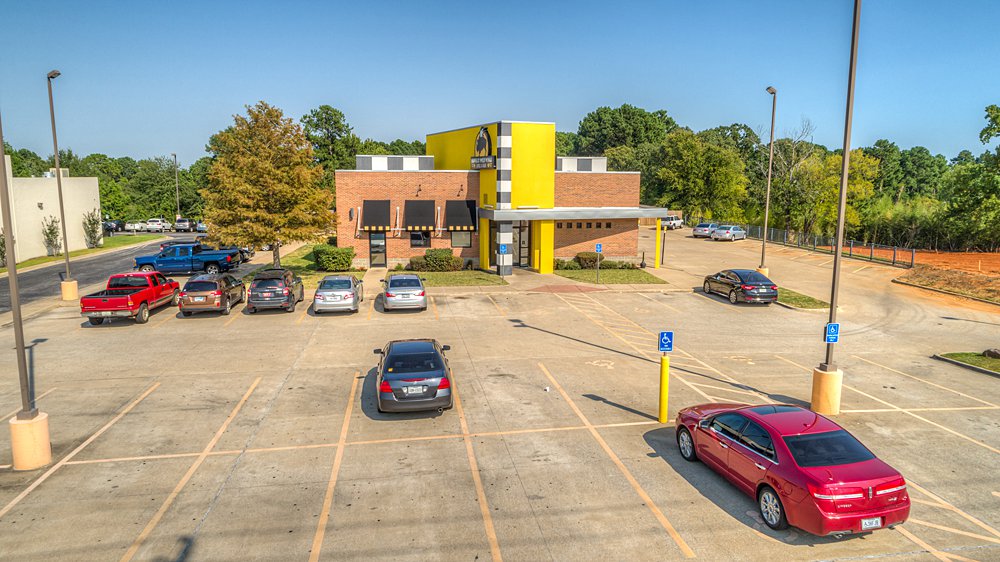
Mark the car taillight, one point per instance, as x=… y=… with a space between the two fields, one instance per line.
x=836 y=494
x=384 y=387
x=420 y=294
x=284 y=291
x=130 y=303
x=774 y=287
x=747 y=287
x=229 y=259
x=390 y=295
x=445 y=383
x=182 y=294
x=318 y=297
x=890 y=487
x=217 y=293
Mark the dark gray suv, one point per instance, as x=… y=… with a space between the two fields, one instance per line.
x=275 y=288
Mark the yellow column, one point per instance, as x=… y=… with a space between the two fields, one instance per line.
x=544 y=242
x=664 y=387
x=484 y=244
x=659 y=229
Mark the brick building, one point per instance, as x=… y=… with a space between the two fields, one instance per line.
x=496 y=194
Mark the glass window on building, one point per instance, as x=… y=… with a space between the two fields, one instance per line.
x=590 y=225
x=579 y=225
x=607 y=225
x=598 y=225
x=420 y=239
x=558 y=225
x=569 y=225
x=461 y=239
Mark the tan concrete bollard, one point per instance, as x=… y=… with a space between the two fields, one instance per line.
x=69 y=290
x=29 y=442
x=826 y=389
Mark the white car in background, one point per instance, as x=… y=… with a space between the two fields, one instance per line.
x=135 y=226
x=157 y=225
x=673 y=222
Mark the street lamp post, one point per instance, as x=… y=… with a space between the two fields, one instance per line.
x=828 y=380
x=68 y=286
x=767 y=198
x=177 y=189
x=29 y=429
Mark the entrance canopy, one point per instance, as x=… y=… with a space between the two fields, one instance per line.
x=375 y=215
x=573 y=213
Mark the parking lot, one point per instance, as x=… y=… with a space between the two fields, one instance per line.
x=257 y=437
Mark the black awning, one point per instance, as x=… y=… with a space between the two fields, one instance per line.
x=375 y=215
x=460 y=214
x=418 y=215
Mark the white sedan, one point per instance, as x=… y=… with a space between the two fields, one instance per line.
x=137 y=226
x=729 y=232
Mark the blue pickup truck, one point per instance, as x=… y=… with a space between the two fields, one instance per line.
x=188 y=258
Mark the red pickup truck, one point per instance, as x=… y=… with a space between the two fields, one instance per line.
x=130 y=295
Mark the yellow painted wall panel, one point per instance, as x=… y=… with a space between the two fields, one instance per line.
x=533 y=162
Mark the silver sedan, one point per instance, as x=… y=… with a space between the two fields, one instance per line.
x=413 y=375
x=338 y=293
x=704 y=229
x=729 y=232
x=404 y=291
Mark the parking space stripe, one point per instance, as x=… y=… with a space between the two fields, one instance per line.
x=925 y=381
x=14 y=412
x=303 y=316
x=233 y=316
x=951 y=507
x=648 y=501
x=434 y=306
x=371 y=307
x=45 y=475
x=933 y=551
x=484 y=507
x=131 y=552
x=945 y=409
x=338 y=458
x=953 y=530
x=500 y=310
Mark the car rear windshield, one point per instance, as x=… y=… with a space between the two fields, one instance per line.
x=404 y=283
x=703 y=225
x=412 y=362
x=267 y=284
x=127 y=282
x=827 y=449
x=333 y=284
x=754 y=277
x=197 y=286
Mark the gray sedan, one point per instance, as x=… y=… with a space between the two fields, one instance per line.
x=404 y=291
x=704 y=229
x=413 y=375
x=338 y=293
x=729 y=232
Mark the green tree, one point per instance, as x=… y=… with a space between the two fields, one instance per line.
x=264 y=185
x=25 y=163
x=701 y=178
x=921 y=172
x=890 y=173
x=333 y=141
x=567 y=144
x=400 y=146
x=627 y=125
x=992 y=128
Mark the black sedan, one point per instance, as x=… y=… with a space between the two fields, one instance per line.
x=413 y=375
x=742 y=285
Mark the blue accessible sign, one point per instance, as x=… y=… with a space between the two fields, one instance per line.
x=666 y=342
x=599 y=248
x=833 y=332
x=503 y=248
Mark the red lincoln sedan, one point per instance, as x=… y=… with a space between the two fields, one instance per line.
x=803 y=469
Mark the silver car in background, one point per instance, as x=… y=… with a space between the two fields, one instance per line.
x=729 y=232
x=704 y=229
x=338 y=293
x=404 y=291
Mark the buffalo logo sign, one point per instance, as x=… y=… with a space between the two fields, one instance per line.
x=483 y=157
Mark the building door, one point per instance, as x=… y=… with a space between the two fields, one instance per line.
x=522 y=244
x=376 y=245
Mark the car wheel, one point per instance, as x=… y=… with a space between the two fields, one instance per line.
x=228 y=308
x=176 y=300
x=211 y=269
x=707 y=288
x=251 y=310
x=291 y=307
x=95 y=321
x=733 y=298
x=146 y=268
x=771 y=510
x=142 y=316
x=686 y=445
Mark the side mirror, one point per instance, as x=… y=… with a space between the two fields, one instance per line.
x=703 y=423
x=445 y=348
x=377 y=351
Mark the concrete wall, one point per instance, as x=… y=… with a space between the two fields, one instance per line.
x=33 y=199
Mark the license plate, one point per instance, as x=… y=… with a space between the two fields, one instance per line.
x=105 y=313
x=871 y=523
x=266 y=294
x=199 y=299
x=414 y=389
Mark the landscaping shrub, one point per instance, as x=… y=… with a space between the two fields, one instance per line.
x=329 y=258
x=3 y=250
x=51 y=237
x=588 y=260
x=441 y=259
x=560 y=264
x=332 y=240
x=399 y=267
x=417 y=263
x=571 y=265
x=92 y=231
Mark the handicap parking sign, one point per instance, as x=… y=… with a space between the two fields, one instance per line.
x=666 y=342
x=833 y=332
x=599 y=247
x=503 y=248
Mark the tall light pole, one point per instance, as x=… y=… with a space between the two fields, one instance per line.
x=177 y=189
x=828 y=380
x=68 y=286
x=29 y=429
x=767 y=198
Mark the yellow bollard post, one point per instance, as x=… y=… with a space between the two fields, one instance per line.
x=656 y=258
x=664 y=386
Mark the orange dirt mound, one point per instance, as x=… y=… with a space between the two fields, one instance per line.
x=973 y=262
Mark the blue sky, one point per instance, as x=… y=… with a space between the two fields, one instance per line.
x=146 y=79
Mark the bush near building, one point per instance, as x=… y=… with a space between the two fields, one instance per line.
x=588 y=260
x=329 y=258
x=437 y=259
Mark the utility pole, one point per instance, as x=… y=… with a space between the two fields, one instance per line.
x=68 y=286
x=767 y=198
x=177 y=190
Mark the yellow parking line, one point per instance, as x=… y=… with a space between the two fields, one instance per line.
x=45 y=475
x=484 y=508
x=371 y=307
x=903 y=410
x=952 y=530
x=234 y=314
x=435 y=307
x=951 y=507
x=933 y=551
x=131 y=552
x=664 y=522
x=924 y=381
x=882 y=410
x=14 y=412
x=302 y=316
x=711 y=298
x=500 y=310
x=338 y=458
x=826 y=262
x=860 y=269
x=165 y=310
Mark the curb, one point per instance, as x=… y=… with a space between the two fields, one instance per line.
x=945 y=292
x=3 y=275
x=966 y=365
x=790 y=307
